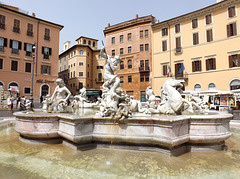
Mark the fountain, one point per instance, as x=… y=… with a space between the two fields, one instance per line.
x=121 y=122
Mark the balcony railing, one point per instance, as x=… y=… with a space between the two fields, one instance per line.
x=144 y=69
x=181 y=76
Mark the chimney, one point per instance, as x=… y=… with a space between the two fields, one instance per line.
x=33 y=14
x=136 y=16
x=108 y=24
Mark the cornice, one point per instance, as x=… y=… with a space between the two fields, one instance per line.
x=126 y=24
x=195 y=14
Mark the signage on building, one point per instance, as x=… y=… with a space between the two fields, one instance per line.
x=44 y=81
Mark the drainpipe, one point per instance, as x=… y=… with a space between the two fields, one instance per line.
x=170 y=47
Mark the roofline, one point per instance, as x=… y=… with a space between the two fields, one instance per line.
x=129 y=23
x=77 y=45
x=1 y=6
x=85 y=37
x=195 y=14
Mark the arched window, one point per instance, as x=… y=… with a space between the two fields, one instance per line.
x=235 y=84
x=81 y=52
x=211 y=86
x=44 y=90
x=197 y=87
x=129 y=64
x=1 y=86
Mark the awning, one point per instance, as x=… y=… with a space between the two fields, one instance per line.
x=89 y=94
x=13 y=88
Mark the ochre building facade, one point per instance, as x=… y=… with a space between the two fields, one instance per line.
x=201 y=47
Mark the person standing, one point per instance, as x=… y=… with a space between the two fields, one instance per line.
x=10 y=104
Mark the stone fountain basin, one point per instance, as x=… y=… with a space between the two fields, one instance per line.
x=169 y=134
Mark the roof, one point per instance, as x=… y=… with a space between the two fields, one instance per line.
x=195 y=14
x=78 y=45
x=129 y=23
x=3 y=6
x=86 y=38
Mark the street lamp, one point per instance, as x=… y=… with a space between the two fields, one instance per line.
x=31 y=92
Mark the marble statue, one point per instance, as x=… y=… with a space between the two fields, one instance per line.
x=59 y=99
x=114 y=103
x=150 y=97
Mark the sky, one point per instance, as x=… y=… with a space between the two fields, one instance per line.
x=90 y=17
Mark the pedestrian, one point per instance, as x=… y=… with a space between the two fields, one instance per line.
x=41 y=99
x=10 y=103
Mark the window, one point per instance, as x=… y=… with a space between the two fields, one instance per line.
x=100 y=78
x=16 y=26
x=164 y=45
x=121 y=51
x=146 y=33
x=80 y=64
x=14 y=65
x=80 y=85
x=93 y=44
x=141 y=34
x=146 y=78
x=73 y=74
x=211 y=64
x=142 y=64
x=121 y=65
x=47 y=34
x=3 y=43
x=235 y=84
x=164 y=70
x=195 y=38
x=209 y=35
x=177 y=70
x=197 y=87
x=99 y=67
x=80 y=52
x=27 y=90
x=141 y=48
x=208 y=19
x=130 y=49
x=2 y=22
x=231 y=11
x=146 y=47
x=28 y=68
x=89 y=43
x=234 y=61
x=196 y=66
x=141 y=78
x=211 y=86
x=16 y=46
x=164 y=31
x=130 y=93
x=113 y=40
x=143 y=96
x=45 y=69
x=194 y=23
x=146 y=64
x=29 y=29
x=178 y=44
x=1 y=63
x=88 y=74
x=121 y=79
x=177 y=28
x=129 y=79
x=84 y=41
x=129 y=64
x=28 y=48
x=113 y=52
x=121 y=38
x=46 y=52
x=80 y=74
x=231 y=30
x=129 y=36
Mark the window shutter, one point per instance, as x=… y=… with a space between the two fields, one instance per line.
x=166 y=31
x=25 y=46
x=176 y=70
x=10 y=45
x=230 y=61
x=200 y=65
x=19 y=45
x=193 y=66
x=214 y=63
x=207 y=65
x=234 y=29
x=5 y=42
x=238 y=57
x=228 y=30
x=50 y=51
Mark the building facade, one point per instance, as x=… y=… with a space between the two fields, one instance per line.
x=201 y=47
x=132 y=41
x=81 y=66
x=19 y=34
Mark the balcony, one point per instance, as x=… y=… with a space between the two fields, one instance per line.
x=183 y=76
x=178 y=51
x=144 y=69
